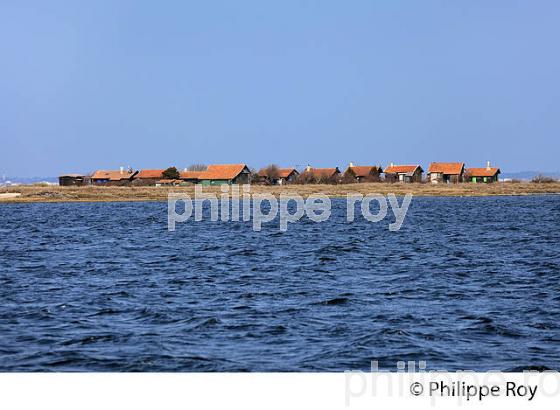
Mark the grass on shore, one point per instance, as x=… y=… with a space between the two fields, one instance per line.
x=33 y=193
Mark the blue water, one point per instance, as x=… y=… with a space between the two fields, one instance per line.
x=467 y=283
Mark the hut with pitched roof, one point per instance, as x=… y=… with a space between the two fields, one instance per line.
x=110 y=177
x=446 y=172
x=282 y=176
x=219 y=174
x=148 y=176
x=320 y=175
x=488 y=174
x=73 y=180
x=403 y=173
x=363 y=173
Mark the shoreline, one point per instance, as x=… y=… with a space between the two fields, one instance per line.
x=57 y=194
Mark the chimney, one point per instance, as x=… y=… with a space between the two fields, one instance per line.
x=122 y=170
x=185 y=169
x=308 y=168
x=392 y=165
x=487 y=165
x=350 y=165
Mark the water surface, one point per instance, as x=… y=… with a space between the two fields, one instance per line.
x=467 y=283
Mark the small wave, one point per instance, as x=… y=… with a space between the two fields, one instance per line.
x=107 y=311
x=334 y=301
x=212 y=321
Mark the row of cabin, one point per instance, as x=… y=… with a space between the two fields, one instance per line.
x=442 y=172
x=454 y=172
x=438 y=172
x=366 y=173
x=213 y=175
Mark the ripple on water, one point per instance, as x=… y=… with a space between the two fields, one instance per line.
x=468 y=283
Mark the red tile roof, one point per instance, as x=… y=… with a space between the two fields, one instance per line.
x=364 y=170
x=282 y=172
x=216 y=172
x=112 y=175
x=322 y=172
x=447 y=168
x=401 y=169
x=483 y=172
x=286 y=172
x=191 y=174
x=222 y=171
x=150 y=174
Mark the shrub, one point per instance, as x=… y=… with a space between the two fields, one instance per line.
x=272 y=172
x=347 y=178
x=257 y=179
x=372 y=178
x=197 y=167
x=171 y=173
x=329 y=180
x=268 y=176
x=541 y=179
x=305 y=178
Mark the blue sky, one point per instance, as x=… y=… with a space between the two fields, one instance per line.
x=99 y=84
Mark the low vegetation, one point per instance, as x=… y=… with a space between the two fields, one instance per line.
x=541 y=179
x=30 y=193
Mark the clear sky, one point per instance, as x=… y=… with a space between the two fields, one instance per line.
x=100 y=84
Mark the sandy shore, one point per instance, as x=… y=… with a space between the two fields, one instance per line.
x=129 y=194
